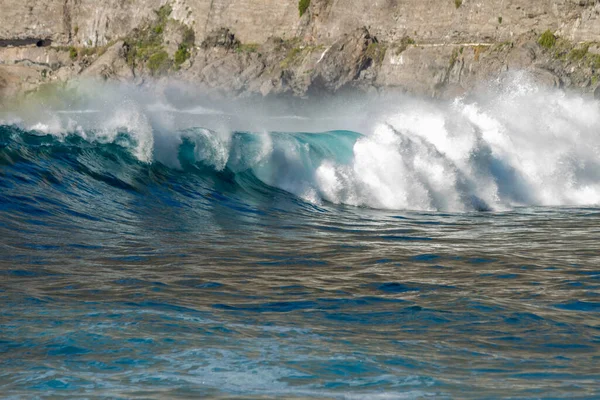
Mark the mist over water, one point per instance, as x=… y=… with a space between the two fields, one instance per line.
x=167 y=244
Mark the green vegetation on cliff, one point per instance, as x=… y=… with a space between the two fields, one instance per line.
x=578 y=54
x=159 y=62
x=303 y=6
x=292 y=57
x=404 y=43
x=247 y=48
x=181 y=55
x=296 y=51
x=568 y=52
x=376 y=52
x=547 y=39
x=583 y=56
x=146 y=45
x=187 y=43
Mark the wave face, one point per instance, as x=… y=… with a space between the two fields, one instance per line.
x=522 y=147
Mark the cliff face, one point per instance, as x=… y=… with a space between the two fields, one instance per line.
x=264 y=46
x=80 y=22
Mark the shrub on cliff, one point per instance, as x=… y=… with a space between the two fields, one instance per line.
x=181 y=55
x=579 y=54
x=146 y=44
x=162 y=14
x=303 y=6
x=547 y=40
x=159 y=63
x=187 y=43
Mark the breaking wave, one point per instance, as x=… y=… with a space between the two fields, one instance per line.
x=523 y=146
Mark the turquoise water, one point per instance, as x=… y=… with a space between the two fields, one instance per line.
x=230 y=266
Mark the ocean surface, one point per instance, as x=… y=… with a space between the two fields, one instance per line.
x=164 y=246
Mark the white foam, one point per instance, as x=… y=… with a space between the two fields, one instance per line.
x=525 y=148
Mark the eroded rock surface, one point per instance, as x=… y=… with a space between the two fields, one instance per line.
x=241 y=47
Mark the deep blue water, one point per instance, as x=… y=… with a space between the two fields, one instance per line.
x=194 y=275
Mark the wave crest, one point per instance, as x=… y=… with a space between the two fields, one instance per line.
x=518 y=148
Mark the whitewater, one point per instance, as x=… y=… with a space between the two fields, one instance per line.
x=163 y=243
x=522 y=147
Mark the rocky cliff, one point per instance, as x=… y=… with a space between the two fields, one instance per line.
x=272 y=47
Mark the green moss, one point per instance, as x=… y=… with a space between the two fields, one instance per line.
x=187 y=43
x=292 y=56
x=79 y=52
x=594 y=80
x=547 y=39
x=578 y=54
x=594 y=61
x=72 y=53
x=303 y=6
x=567 y=51
x=159 y=63
x=574 y=57
x=247 y=48
x=457 y=3
x=181 y=55
x=376 y=52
